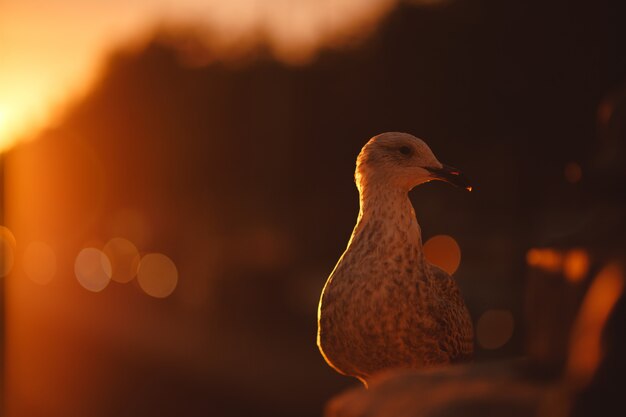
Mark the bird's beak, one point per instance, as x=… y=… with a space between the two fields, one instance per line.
x=450 y=175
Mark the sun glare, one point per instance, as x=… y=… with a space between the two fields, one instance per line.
x=5 y=130
x=52 y=51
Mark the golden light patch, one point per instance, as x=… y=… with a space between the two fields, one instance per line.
x=124 y=258
x=157 y=275
x=93 y=269
x=443 y=251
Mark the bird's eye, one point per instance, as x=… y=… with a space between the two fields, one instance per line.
x=405 y=150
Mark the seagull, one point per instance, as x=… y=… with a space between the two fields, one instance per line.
x=384 y=305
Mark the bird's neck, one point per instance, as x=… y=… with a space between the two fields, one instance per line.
x=387 y=219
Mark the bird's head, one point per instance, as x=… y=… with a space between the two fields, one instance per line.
x=403 y=161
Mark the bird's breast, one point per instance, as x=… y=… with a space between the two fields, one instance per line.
x=369 y=311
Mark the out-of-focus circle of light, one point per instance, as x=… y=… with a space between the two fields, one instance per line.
x=573 y=173
x=157 y=275
x=533 y=257
x=7 y=250
x=40 y=262
x=92 y=269
x=576 y=265
x=124 y=258
x=494 y=328
x=443 y=251
x=546 y=259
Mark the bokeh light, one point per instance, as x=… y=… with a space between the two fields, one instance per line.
x=7 y=250
x=40 y=262
x=124 y=258
x=576 y=265
x=443 y=251
x=92 y=269
x=585 y=347
x=573 y=173
x=573 y=264
x=547 y=259
x=157 y=275
x=494 y=328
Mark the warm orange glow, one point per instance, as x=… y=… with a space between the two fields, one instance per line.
x=7 y=250
x=3 y=122
x=157 y=275
x=576 y=265
x=443 y=251
x=124 y=259
x=573 y=264
x=533 y=257
x=51 y=51
x=494 y=328
x=40 y=262
x=547 y=259
x=93 y=269
x=10 y=126
x=585 y=347
x=573 y=173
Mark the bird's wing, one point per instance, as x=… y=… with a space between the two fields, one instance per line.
x=452 y=315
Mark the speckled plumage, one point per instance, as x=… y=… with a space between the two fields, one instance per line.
x=384 y=305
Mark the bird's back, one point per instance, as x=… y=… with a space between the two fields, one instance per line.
x=454 y=329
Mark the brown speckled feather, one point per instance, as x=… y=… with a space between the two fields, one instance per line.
x=384 y=306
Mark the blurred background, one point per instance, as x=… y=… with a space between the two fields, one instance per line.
x=178 y=184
